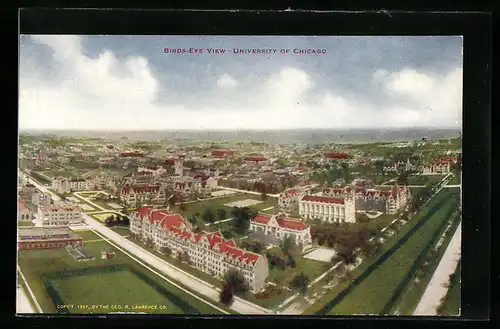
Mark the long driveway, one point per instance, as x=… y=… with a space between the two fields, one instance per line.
x=437 y=288
x=23 y=305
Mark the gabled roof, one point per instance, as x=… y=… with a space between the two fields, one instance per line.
x=324 y=199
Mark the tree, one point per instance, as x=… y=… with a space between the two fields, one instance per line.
x=226 y=295
x=241 y=219
x=362 y=218
x=300 y=283
x=288 y=245
x=403 y=178
x=236 y=280
x=221 y=213
x=192 y=219
x=347 y=255
x=208 y=215
x=290 y=262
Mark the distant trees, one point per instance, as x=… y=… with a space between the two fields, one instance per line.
x=117 y=221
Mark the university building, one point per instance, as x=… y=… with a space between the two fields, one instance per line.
x=132 y=194
x=33 y=238
x=437 y=168
x=330 y=209
x=386 y=201
x=281 y=227
x=58 y=215
x=208 y=252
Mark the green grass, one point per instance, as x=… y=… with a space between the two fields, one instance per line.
x=88 y=235
x=24 y=223
x=452 y=301
x=215 y=204
x=362 y=271
x=38 y=265
x=122 y=230
x=424 y=179
x=455 y=180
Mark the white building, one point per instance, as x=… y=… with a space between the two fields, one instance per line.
x=290 y=198
x=329 y=209
x=58 y=215
x=437 y=168
x=40 y=198
x=155 y=170
x=208 y=252
x=66 y=185
x=282 y=227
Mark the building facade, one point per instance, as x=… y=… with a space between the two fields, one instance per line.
x=281 y=227
x=58 y=215
x=436 y=168
x=330 y=209
x=208 y=252
x=34 y=238
x=366 y=199
x=132 y=195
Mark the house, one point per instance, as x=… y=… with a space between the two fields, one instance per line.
x=131 y=155
x=58 y=215
x=40 y=198
x=132 y=194
x=256 y=159
x=390 y=167
x=33 y=238
x=336 y=156
x=330 y=209
x=281 y=227
x=156 y=170
x=210 y=252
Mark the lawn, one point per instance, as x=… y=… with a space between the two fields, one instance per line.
x=455 y=180
x=41 y=266
x=88 y=235
x=424 y=179
x=452 y=301
x=103 y=204
x=350 y=290
x=214 y=204
x=24 y=223
x=415 y=290
x=122 y=230
x=374 y=295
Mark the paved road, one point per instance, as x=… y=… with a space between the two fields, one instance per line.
x=211 y=292
x=23 y=304
x=437 y=289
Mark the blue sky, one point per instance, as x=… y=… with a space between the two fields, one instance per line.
x=128 y=82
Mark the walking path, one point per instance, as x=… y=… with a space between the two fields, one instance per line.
x=247 y=192
x=437 y=288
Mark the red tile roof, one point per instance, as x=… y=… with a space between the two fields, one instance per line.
x=336 y=156
x=131 y=155
x=324 y=199
x=221 y=153
x=282 y=222
x=255 y=158
x=140 y=189
x=450 y=159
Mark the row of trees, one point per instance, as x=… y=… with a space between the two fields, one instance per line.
x=422 y=196
x=117 y=220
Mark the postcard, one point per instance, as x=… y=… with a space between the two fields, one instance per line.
x=251 y=175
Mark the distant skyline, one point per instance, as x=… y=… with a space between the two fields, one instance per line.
x=122 y=83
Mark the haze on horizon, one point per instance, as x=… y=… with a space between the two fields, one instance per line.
x=127 y=83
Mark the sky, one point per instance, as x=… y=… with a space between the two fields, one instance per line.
x=71 y=82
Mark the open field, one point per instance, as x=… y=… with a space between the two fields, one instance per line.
x=424 y=179
x=88 y=235
x=455 y=180
x=44 y=269
x=451 y=304
x=214 y=204
x=375 y=279
x=321 y=254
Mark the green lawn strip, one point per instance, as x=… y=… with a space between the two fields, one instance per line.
x=37 y=265
x=452 y=301
x=390 y=243
x=424 y=179
x=24 y=223
x=104 y=205
x=122 y=230
x=374 y=294
x=455 y=180
x=414 y=291
x=88 y=235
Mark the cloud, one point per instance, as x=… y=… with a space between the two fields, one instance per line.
x=226 y=81
x=110 y=92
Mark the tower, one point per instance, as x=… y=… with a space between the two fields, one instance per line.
x=179 y=166
x=350 y=207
